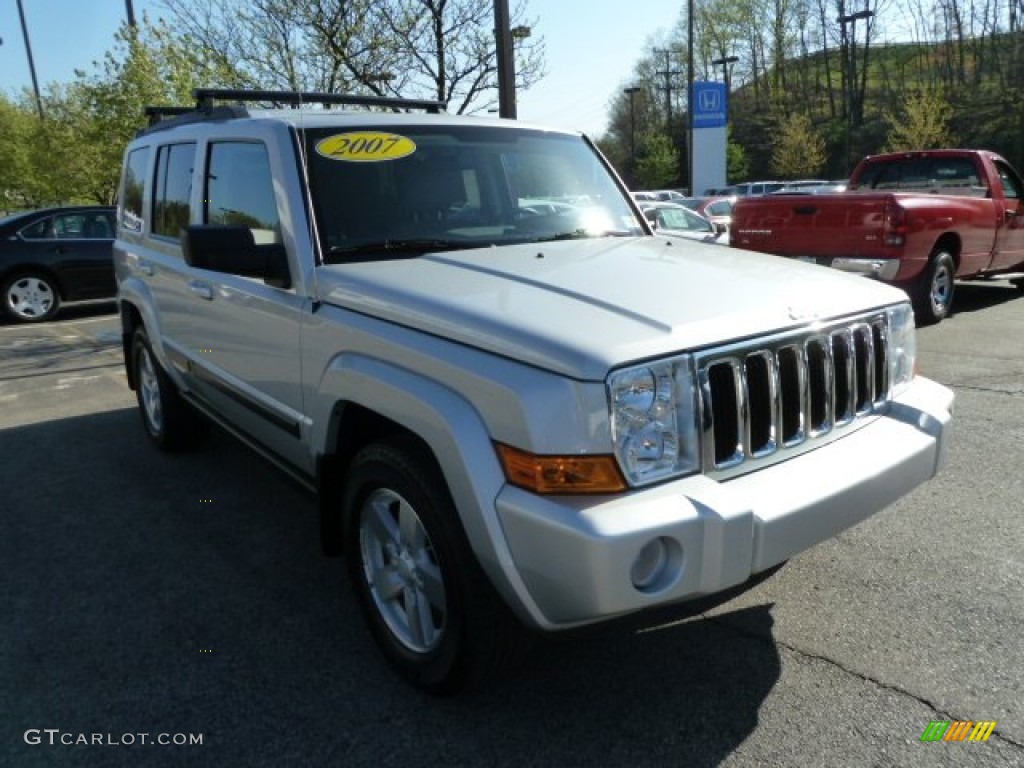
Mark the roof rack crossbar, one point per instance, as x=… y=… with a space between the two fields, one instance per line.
x=206 y=96
x=157 y=112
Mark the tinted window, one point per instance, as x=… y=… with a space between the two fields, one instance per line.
x=240 y=190
x=39 y=230
x=1011 y=182
x=173 y=189
x=134 y=183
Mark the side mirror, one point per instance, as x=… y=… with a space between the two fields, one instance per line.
x=232 y=250
x=720 y=228
x=652 y=217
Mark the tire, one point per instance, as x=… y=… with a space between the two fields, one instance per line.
x=1019 y=284
x=933 y=295
x=171 y=423
x=30 y=297
x=430 y=608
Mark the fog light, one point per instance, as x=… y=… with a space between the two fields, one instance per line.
x=657 y=565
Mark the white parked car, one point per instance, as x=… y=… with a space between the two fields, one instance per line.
x=679 y=221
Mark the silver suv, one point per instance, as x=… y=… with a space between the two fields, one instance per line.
x=517 y=404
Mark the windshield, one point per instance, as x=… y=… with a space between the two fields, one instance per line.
x=382 y=194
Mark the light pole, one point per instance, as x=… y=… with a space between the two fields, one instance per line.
x=632 y=91
x=850 y=80
x=504 y=37
x=724 y=63
x=31 y=64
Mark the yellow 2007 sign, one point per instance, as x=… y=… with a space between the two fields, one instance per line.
x=365 y=146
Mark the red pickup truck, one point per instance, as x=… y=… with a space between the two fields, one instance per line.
x=914 y=219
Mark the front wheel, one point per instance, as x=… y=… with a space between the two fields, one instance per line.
x=430 y=608
x=30 y=297
x=933 y=294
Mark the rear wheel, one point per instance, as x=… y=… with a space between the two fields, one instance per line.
x=171 y=422
x=933 y=295
x=431 y=609
x=30 y=297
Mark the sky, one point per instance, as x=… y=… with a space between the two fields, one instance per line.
x=592 y=47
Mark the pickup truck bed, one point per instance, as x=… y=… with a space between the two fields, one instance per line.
x=917 y=220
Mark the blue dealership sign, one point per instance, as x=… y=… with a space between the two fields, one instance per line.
x=709 y=105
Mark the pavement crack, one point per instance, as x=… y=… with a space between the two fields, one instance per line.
x=724 y=622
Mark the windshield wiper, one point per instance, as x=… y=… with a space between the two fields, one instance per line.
x=408 y=245
x=581 y=234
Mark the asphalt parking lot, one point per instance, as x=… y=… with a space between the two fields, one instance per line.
x=183 y=597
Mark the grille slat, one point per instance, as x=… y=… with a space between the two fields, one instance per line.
x=768 y=399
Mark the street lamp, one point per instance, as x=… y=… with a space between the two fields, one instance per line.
x=850 y=84
x=31 y=64
x=632 y=91
x=724 y=63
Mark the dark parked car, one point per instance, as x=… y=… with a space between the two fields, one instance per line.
x=55 y=255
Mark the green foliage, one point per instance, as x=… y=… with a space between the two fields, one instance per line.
x=736 y=165
x=799 y=151
x=921 y=123
x=657 y=162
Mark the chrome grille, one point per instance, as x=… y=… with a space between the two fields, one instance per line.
x=771 y=398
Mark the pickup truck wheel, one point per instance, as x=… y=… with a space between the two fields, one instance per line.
x=934 y=294
x=171 y=423
x=430 y=608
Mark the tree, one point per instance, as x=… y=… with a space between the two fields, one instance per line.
x=437 y=49
x=657 y=161
x=799 y=150
x=922 y=123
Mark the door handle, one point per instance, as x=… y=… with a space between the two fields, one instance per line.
x=202 y=290
x=145 y=267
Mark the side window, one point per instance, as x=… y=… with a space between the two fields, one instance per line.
x=240 y=190
x=1011 y=181
x=69 y=226
x=40 y=230
x=132 y=213
x=173 y=189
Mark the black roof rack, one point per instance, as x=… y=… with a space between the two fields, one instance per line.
x=206 y=110
x=206 y=96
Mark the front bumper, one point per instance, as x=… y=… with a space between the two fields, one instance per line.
x=575 y=555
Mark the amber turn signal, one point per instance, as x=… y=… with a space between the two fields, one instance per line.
x=560 y=474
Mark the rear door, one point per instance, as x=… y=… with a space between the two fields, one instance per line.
x=1010 y=234
x=242 y=335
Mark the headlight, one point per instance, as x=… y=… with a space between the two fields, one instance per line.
x=653 y=420
x=902 y=347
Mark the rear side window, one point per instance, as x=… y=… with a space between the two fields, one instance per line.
x=173 y=189
x=132 y=213
x=240 y=190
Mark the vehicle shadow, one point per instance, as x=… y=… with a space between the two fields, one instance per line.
x=77 y=311
x=186 y=594
x=974 y=296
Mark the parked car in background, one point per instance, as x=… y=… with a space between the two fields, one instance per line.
x=679 y=221
x=717 y=210
x=757 y=188
x=55 y=255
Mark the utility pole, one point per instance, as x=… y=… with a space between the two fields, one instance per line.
x=31 y=64
x=632 y=91
x=506 y=61
x=668 y=73
x=129 y=13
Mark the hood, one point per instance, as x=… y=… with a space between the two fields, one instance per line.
x=583 y=307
